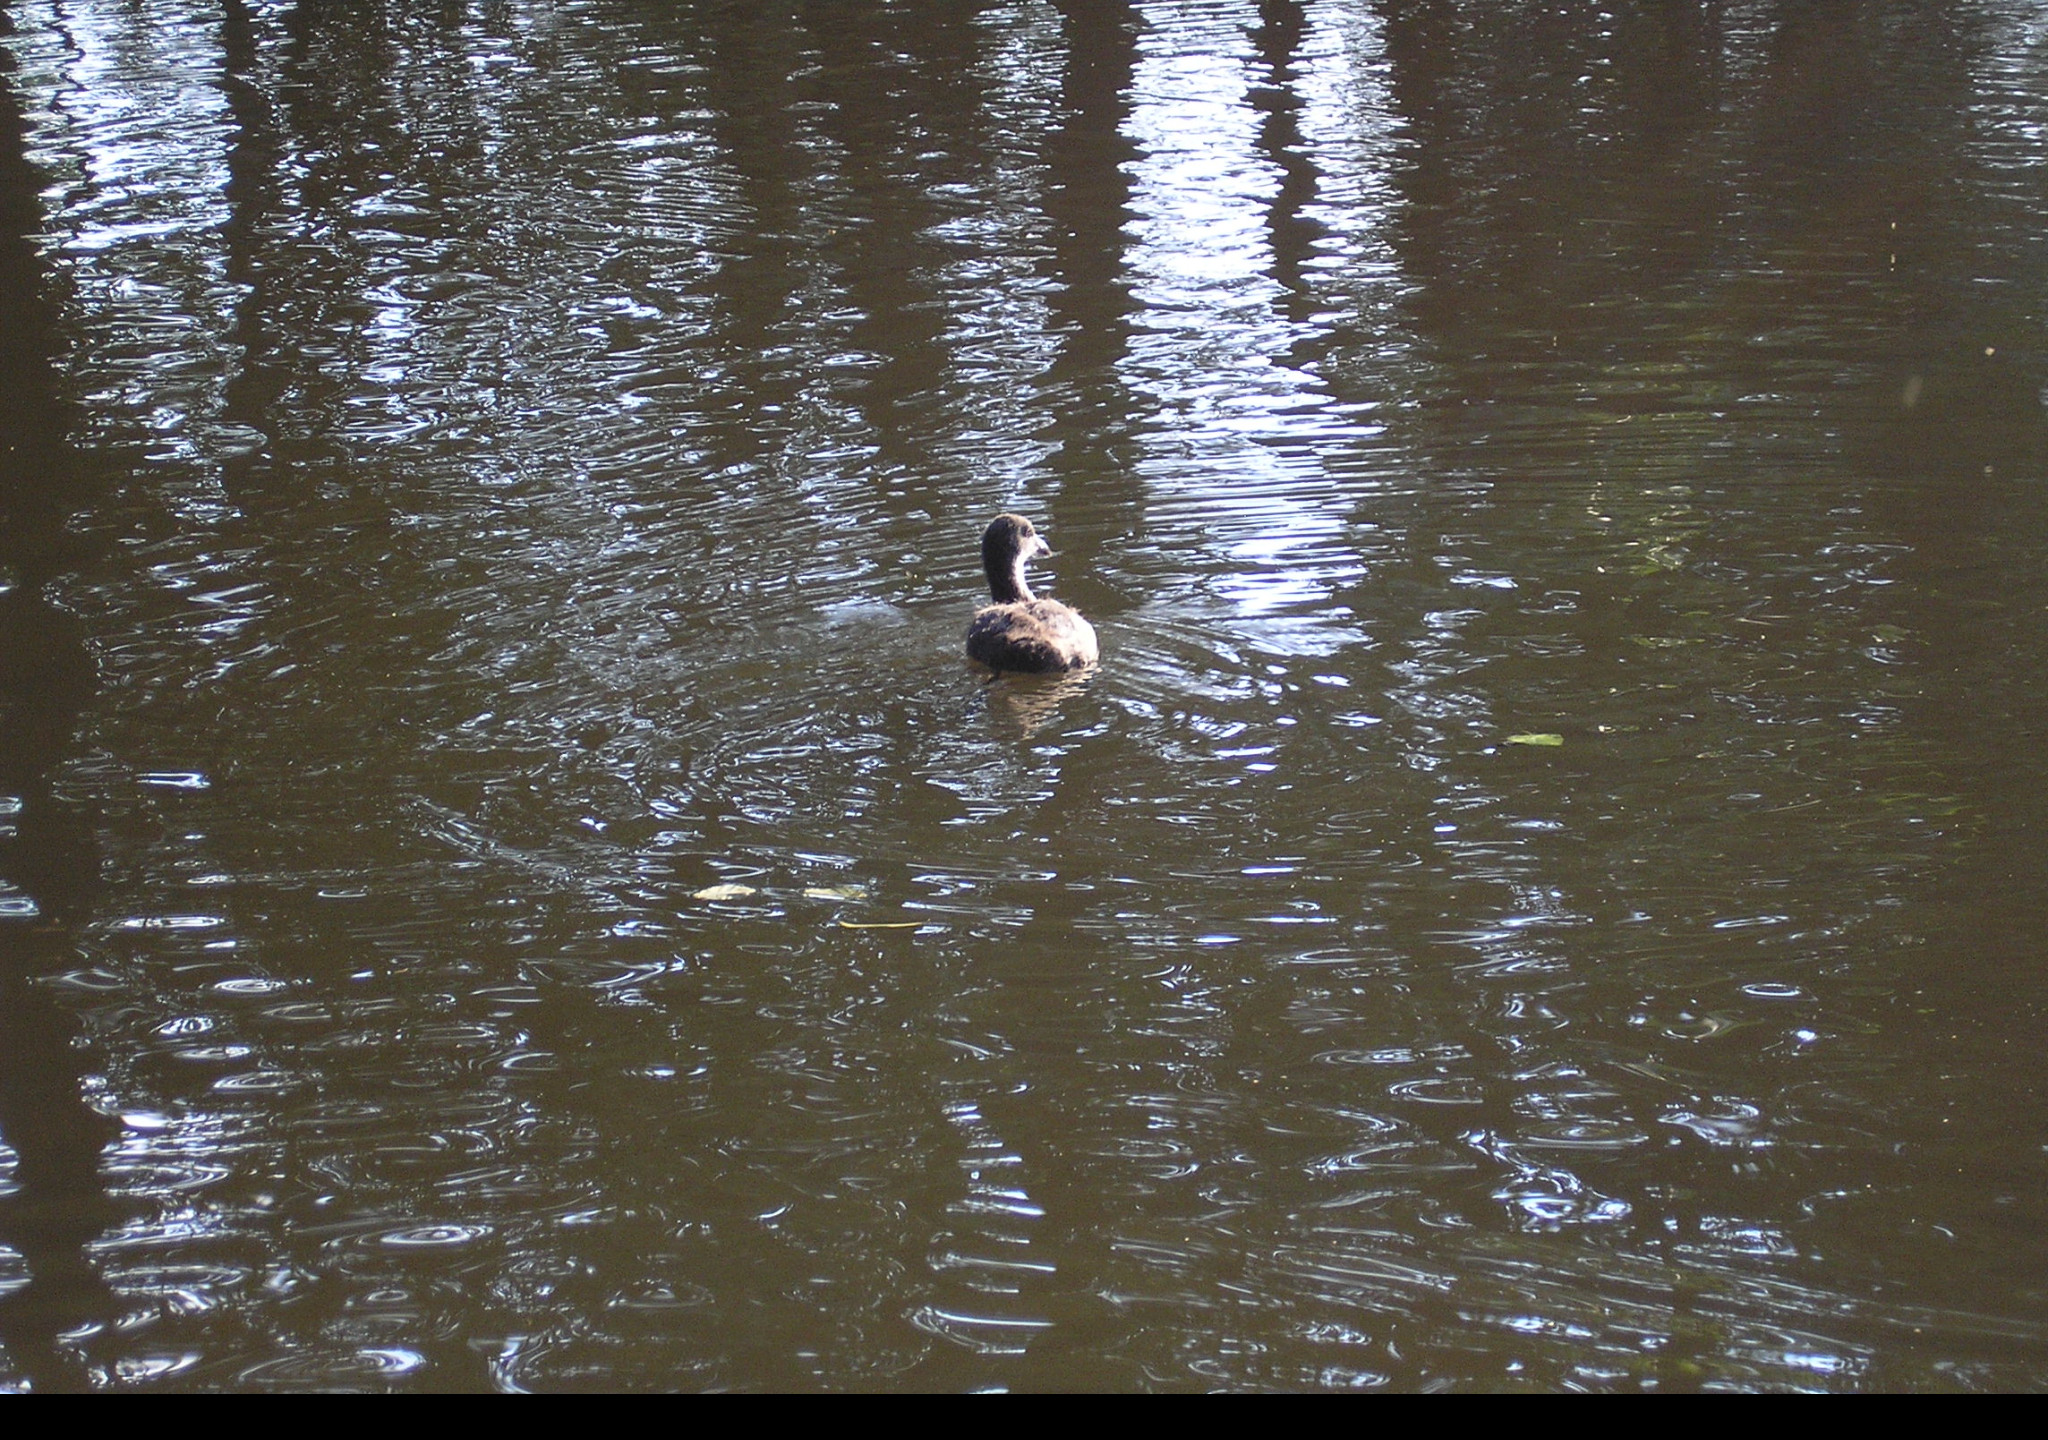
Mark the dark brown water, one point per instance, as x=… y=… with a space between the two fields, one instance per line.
x=507 y=881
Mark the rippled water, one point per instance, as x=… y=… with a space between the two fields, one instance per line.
x=506 y=879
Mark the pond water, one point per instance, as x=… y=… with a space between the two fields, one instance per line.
x=507 y=880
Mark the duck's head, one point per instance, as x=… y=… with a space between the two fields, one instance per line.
x=1010 y=538
x=1008 y=542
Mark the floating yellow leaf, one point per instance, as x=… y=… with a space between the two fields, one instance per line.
x=879 y=924
x=1537 y=738
x=834 y=892
x=723 y=892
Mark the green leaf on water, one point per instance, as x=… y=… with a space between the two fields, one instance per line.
x=1659 y=558
x=723 y=892
x=1542 y=737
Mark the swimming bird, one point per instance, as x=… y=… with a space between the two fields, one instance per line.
x=1020 y=631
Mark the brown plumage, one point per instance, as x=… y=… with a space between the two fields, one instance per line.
x=1020 y=631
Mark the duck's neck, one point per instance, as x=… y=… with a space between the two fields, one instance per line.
x=1006 y=578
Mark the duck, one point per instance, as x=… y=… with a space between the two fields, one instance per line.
x=1020 y=631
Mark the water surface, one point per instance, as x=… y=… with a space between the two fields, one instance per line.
x=508 y=881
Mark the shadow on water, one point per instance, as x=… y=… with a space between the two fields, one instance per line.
x=897 y=160
x=1086 y=410
x=255 y=164
x=48 y=855
x=1292 y=229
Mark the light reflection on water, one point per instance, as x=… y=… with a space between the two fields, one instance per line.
x=568 y=917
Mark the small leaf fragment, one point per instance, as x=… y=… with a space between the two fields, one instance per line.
x=834 y=892
x=723 y=892
x=880 y=924
x=1542 y=737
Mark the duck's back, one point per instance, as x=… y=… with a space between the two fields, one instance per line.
x=1031 y=635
